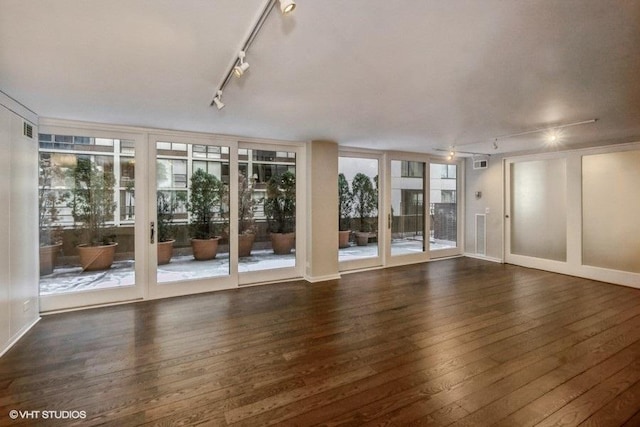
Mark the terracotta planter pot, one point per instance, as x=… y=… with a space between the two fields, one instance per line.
x=204 y=249
x=94 y=258
x=48 y=258
x=362 y=238
x=343 y=238
x=245 y=244
x=165 y=251
x=282 y=243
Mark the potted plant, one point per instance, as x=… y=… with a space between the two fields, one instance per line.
x=204 y=203
x=345 y=205
x=280 y=210
x=246 y=211
x=365 y=203
x=92 y=206
x=49 y=203
x=165 y=208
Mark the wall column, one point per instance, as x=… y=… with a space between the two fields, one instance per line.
x=322 y=208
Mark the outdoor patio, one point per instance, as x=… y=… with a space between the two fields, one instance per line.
x=184 y=268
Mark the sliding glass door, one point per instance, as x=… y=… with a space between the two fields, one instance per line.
x=406 y=218
x=223 y=214
x=270 y=233
x=88 y=219
x=444 y=210
x=190 y=229
x=359 y=192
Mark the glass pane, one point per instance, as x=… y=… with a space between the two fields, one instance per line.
x=86 y=207
x=192 y=207
x=538 y=209
x=611 y=211
x=407 y=207
x=266 y=210
x=358 y=207
x=443 y=206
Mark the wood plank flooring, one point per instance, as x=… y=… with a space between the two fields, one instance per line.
x=454 y=342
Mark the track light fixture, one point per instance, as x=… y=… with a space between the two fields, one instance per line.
x=239 y=66
x=243 y=66
x=218 y=100
x=553 y=135
x=287 y=6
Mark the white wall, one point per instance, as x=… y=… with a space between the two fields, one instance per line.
x=489 y=183
x=18 y=225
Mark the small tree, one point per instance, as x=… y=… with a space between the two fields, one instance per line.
x=345 y=203
x=165 y=208
x=49 y=203
x=92 y=201
x=365 y=200
x=280 y=203
x=246 y=205
x=204 y=203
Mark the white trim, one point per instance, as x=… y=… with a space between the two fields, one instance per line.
x=483 y=257
x=325 y=278
x=18 y=336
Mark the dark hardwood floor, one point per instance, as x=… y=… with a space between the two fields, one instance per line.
x=457 y=341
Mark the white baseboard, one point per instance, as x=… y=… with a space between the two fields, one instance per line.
x=316 y=279
x=17 y=337
x=484 y=257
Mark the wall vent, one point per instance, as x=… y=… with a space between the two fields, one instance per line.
x=27 y=130
x=481 y=164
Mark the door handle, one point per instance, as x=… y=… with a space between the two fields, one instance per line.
x=153 y=232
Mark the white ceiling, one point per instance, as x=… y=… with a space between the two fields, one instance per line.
x=387 y=74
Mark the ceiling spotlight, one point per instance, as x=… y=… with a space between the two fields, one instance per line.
x=218 y=100
x=287 y=6
x=452 y=153
x=243 y=66
x=553 y=136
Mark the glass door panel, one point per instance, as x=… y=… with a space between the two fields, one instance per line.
x=359 y=193
x=443 y=207
x=192 y=211
x=538 y=209
x=87 y=213
x=407 y=207
x=266 y=209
